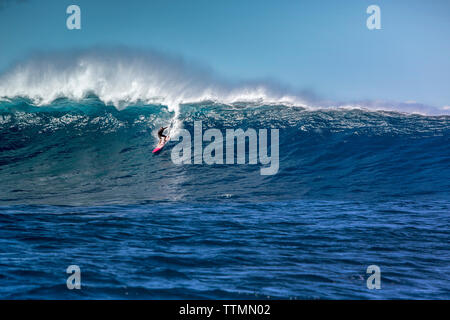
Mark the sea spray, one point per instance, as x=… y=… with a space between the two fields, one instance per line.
x=123 y=76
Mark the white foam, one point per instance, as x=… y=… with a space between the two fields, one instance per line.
x=121 y=78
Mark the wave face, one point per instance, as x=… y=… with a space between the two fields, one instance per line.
x=91 y=153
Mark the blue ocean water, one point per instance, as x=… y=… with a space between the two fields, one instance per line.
x=79 y=186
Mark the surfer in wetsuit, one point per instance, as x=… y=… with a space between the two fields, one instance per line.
x=161 y=134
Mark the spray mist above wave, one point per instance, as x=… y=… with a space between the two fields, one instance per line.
x=121 y=76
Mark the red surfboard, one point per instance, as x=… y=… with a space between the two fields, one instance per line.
x=161 y=145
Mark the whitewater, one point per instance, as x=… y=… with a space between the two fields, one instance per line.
x=121 y=76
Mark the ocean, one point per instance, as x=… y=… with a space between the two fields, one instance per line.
x=80 y=186
x=356 y=186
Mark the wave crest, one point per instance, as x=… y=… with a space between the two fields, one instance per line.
x=121 y=76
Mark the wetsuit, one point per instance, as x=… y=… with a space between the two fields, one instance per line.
x=160 y=133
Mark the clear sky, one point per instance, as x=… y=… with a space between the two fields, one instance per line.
x=320 y=45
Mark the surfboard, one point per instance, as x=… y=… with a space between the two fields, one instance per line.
x=161 y=145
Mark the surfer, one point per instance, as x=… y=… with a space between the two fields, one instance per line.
x=162 y=140
x=161 y=134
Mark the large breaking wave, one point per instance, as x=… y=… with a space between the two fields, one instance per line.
x=78 y=181
x=87 y=153
x=78 y=128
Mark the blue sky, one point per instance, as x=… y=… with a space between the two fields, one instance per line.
x=321 y=45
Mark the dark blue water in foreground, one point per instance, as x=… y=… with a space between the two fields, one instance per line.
x=79 y=186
